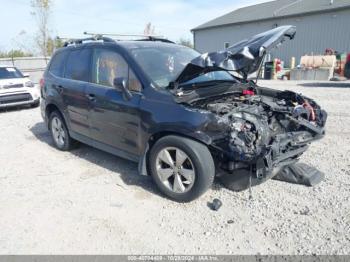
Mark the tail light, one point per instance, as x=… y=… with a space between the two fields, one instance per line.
x=42 y=83
x=348 y=58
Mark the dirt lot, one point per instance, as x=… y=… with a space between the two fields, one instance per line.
x=87 y=201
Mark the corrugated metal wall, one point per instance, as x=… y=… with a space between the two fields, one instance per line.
x=315 y=33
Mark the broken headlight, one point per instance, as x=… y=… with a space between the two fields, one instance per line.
x=242 y=139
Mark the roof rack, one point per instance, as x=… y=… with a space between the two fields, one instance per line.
x=156 y=39
x=93 y=38
x=102 y=37
x=143 y=37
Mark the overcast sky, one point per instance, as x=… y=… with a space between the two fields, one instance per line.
x=70 y=18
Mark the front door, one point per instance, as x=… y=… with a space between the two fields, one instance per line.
x=114 y=121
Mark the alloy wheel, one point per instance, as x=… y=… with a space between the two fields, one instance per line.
x=58 y=132
x=175 y=169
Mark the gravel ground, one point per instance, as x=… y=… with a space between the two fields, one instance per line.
x=90 y=202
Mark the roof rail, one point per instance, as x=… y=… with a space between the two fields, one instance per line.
x=156 y=39
x=143 y=37
x=93 y=38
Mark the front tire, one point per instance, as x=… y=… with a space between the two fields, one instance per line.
x=59 y=132
x=183 y=169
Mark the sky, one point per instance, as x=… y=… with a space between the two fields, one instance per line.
x=172 y=19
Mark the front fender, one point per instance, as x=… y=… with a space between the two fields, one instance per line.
x=162 y=116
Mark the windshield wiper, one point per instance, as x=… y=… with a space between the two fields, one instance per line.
x=181 y=89
x=206 y=83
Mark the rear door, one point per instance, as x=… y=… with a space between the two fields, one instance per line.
x=72 y=88
x=114 y=120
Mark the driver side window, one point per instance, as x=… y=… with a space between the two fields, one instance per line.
x=108 y=65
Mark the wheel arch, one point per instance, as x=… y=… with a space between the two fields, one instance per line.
x=51 y=107
x=199 y=172
x=143 y=163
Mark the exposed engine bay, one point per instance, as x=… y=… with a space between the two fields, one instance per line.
x=256 y=132
x=265 y=130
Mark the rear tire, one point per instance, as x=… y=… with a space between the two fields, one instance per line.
x=59 y=132
x=183 y=169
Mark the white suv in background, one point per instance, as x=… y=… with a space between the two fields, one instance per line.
x=16 y=89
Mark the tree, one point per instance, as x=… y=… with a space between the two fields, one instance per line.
x=53 y=44
x=149 y=29
x=22 y=42
x=58 y=42
x=42 y=11
x=185 y=42
x=15 y=53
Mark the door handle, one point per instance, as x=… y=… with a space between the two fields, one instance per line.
x=60 y=89
x=91 y=97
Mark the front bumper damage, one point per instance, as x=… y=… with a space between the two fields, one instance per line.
x=241 y=175
x=241 y=165
x=256 y=131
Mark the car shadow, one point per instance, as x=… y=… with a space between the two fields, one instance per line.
x=16 y=108
x=127 y=169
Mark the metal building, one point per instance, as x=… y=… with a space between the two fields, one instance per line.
x=320 y=24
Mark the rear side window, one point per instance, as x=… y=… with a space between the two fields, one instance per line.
x=78 y=65
x=57 y=64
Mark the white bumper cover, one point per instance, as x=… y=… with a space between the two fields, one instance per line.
x=19 y=96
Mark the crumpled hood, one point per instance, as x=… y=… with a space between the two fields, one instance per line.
x=245 y=57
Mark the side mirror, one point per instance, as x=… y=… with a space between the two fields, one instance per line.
x=121 y=84
x=26 y=75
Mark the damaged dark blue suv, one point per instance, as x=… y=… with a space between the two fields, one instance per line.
x=184 y=117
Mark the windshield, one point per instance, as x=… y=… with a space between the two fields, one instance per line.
x=9 y=72
x=164 y=63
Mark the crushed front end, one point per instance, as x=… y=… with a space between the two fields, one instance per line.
x=255 y=131
x=261 y=131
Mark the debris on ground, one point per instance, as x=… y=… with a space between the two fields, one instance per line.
x=215 y=205
x=300 y=173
